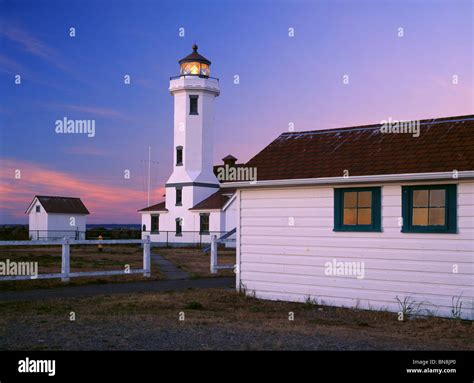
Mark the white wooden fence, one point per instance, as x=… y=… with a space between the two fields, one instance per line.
x=66 y=242
x=214 y=266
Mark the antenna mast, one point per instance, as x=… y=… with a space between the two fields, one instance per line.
x=149 y=175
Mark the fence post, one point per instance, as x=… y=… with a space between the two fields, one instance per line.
x=65 y=265
x=146 y=257
x=213 y=254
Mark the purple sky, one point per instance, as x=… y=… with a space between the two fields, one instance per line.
x=283 y=80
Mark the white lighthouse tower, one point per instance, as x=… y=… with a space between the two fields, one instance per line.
x=192 y=179
x=195 y=207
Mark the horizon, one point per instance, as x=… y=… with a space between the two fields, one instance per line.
x=408 y=77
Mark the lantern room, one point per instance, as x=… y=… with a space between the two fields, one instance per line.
x=194 y=64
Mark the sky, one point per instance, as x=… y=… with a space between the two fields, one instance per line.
x=291 y=58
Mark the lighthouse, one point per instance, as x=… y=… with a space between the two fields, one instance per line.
x=192 y=178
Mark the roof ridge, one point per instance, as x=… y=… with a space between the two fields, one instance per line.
x=55 y=196
x=431 y=121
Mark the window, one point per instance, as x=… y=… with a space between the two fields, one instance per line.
x=179 y=227
x=179 y=156
x=204 y=223
x=429 y=209
x=38 y=209
x=357 y=209
x=179 y=196
x=155 y=223
x=193 y=104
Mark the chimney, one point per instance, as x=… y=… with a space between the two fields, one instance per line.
x=229 y=160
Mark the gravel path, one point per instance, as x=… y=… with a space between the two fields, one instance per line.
x=144 y=336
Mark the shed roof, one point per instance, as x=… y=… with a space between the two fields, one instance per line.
x=61 y=205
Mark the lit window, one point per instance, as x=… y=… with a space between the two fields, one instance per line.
x=357 y=209
x=429 y=208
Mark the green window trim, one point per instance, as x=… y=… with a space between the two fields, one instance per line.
x=450 y=226
x=376 y=215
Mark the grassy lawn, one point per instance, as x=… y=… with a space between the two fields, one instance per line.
x=82 y=258
x=197 y=263
x=215 y=319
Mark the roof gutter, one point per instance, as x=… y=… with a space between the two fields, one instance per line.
x=353 y=179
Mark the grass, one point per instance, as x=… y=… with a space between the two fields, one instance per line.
x=82 y=258
x=112 y=257
x=137 y=316
x=197 y=263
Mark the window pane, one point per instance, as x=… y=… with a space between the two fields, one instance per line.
x=154 y=223
x=365 y=199
x=364 y=216
x=350 y=199
x=193 y=105
x=350 y=216
x=437 y=216
x=420 y=198
x=437 y=197
x=204 y=223
x=420 y=217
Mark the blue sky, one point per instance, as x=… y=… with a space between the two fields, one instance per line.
x=282 y=79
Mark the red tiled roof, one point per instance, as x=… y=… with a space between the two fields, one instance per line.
x=157 y=207
x=215 y=201
x=62 y=205
x=444 y=144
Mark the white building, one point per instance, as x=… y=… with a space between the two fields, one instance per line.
x=357 y=217
x=195 y=207
x=53 y=217
x=364 y=217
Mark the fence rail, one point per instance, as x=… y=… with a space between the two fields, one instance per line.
x=66 y=273
x=215 y=267
x=185 y=238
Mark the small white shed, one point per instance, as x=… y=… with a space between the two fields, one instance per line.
x=52 y=217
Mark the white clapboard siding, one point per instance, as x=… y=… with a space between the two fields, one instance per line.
x=364 y=284
x=464 y=223
x=369 y=264
x=286 y=238
x=396 y=254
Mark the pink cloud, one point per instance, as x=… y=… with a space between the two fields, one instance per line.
x=107 y=203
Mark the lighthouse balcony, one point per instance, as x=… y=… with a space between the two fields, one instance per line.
x=194 y=82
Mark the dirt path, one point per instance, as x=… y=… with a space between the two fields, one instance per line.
x=169 y=270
